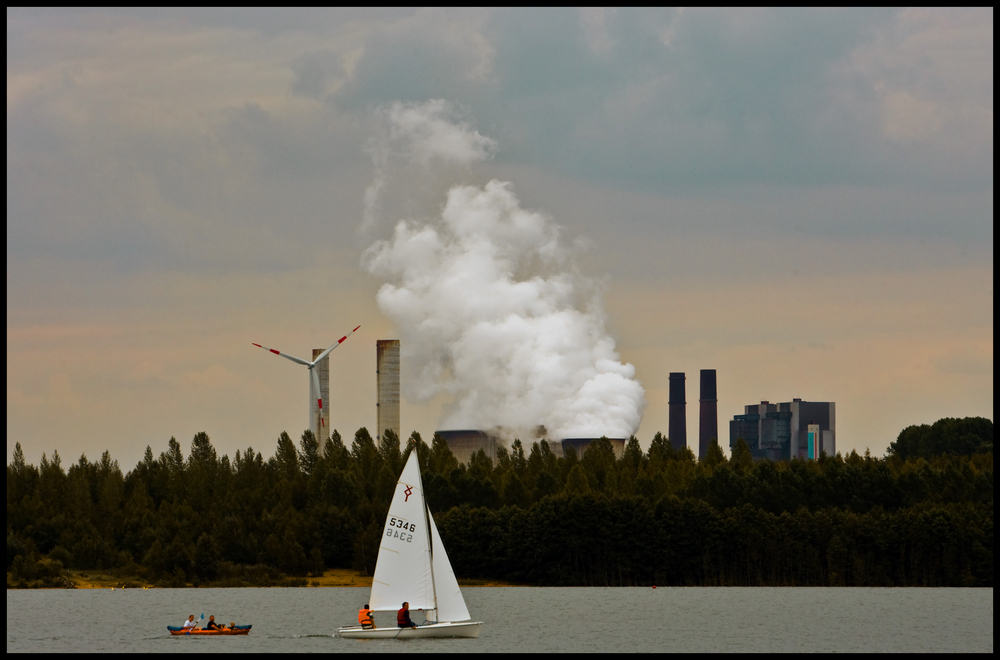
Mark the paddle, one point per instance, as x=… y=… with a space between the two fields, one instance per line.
x=199 y=624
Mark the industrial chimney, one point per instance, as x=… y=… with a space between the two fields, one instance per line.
x=387 y=385
x=708 y=423
x=677 y=431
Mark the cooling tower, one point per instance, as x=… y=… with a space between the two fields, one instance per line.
x=708 y=422
x=677 y=431
x=466 y=442
x=387 y=377
x=580 y=445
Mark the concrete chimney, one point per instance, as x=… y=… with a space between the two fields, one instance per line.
x=387 y=385
x=677 y=431
x=708 y=423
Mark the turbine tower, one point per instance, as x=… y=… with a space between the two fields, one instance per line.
x=317 y=415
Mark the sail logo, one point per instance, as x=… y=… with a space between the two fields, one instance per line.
x=408 y=492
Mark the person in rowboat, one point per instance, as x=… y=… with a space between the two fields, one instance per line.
x=365 y=617
x=403 y=617
x=190 y=624
x=212 y=625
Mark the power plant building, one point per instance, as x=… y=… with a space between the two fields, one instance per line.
x=781 y=431
x=387 y=385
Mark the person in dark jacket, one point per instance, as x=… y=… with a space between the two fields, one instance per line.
x=403 y=617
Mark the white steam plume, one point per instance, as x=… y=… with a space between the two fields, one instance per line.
x=490 y=310
x=422 y=134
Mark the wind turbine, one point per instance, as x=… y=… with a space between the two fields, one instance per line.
x=316 y=421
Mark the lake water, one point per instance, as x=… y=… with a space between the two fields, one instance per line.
x=517 y=619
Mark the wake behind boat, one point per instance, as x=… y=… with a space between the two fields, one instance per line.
x=413 y=566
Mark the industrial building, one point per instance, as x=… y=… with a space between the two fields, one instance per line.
x=387 y=385
x=781 y=431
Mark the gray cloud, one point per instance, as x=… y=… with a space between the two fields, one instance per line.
x=156 y=136
x=674 y=99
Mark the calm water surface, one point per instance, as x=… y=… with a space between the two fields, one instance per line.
x=517 y=619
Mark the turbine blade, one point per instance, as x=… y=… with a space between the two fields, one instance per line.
x=284 y=355
x=316 y=389
x=339 y=342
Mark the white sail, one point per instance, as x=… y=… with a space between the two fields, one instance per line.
x=413 y=566
x=450 y=602
x=403 y=572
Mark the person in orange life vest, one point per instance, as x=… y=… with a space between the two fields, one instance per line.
x=403 y=617
x=365 y=617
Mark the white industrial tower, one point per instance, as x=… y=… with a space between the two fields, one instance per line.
x=387 y=377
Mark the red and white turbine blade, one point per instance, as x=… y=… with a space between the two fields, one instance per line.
x=339 y=342
x=284 y=355
x=319 y=392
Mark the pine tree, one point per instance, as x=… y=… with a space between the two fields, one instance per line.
x=286 y=458
x=742 y=459
x=576 y=481
x=389 y=449
x=309 y=455
x=442 y=461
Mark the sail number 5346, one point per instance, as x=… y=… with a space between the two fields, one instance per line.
x=397 y=529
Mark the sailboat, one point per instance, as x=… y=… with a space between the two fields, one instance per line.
x=413 y=566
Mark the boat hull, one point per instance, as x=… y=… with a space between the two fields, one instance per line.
x=446 y=629
x=240 y=630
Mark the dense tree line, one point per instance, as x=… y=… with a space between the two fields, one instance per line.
x=959 y=437
x=922 y=516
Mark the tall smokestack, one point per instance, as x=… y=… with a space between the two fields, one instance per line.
x=677 y=431
x=387 y=385
x=708 y=424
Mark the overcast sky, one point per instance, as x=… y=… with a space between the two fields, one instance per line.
x=802 y=200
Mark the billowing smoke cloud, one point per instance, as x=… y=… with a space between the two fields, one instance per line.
x=491 y=311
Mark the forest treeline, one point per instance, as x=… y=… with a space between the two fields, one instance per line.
x=921 y=516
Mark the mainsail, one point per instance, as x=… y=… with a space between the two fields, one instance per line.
x=403 y=572
x=413 y=565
